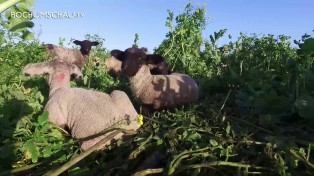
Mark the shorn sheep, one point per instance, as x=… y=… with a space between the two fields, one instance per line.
x=114 y=66
x=84 y=112
x=158 y=91
x=74 y=56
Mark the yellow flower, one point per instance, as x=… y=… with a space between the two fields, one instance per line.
x=26 y=91
x=139 y=120
x=18 y=164
x=27 y=155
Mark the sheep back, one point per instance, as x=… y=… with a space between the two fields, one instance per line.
x=164 y=90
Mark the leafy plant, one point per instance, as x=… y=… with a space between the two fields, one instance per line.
x=17 y=18
x=136 y=39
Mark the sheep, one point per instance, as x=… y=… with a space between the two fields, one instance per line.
x=160 y=68
x=114 y=66
x=158 y=91
x=84 y=112
x=77 y=57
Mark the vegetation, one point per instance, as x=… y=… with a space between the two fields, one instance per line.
x=254 y=116
x=17 y=18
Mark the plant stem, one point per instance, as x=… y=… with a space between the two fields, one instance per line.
x=140 y=148
x=20 y=169
x=218 y=163
x=83 y=155
x=308 y=153
x=181 y=156
x=7 y=4
x=148 y=172
x=223 y=105
x=301 y=159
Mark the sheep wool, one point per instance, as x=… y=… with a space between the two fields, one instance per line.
x=163 y=90
x=69 y=55
x=160 y=91
x=113 y=66
x=85 y=112
x=74 y=56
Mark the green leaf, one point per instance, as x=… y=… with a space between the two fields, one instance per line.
x=30 y=148
x=193 y=137
x=28 y=35
x=85 y=79
x=160 y=141
x=43 y=118
x=57 y=134
x=47 y=152
x=39 y=96
x=213 y=142
x=19 y=95
x=23 y=7
x=228 y=128
x=119 y=142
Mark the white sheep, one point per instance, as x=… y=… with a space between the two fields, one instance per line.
x=74 y=56
x=84 y=112
x=160 y=91
x=114 y=66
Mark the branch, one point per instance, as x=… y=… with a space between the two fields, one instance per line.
x=7 y=4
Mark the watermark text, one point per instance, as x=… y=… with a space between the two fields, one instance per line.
x=48 y=15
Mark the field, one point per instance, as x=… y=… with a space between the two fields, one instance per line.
x=254 y=116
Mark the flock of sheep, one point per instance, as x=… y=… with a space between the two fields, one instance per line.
x=86 y=112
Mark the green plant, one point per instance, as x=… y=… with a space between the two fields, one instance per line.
x=17 y=18
x=184 y=40
x=136 y=39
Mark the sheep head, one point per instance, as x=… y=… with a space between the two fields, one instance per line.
x=134 y=58
x=86 y=46
x=53 y=69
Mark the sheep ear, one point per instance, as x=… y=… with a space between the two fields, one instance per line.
x=36 y=69
x=77 y=42
x=117 y=54
x=144 y=49
x=95 y=43
x=76 y=73
x=154 y=59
